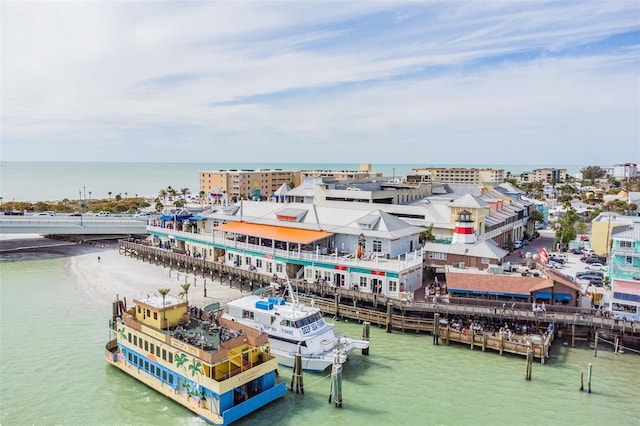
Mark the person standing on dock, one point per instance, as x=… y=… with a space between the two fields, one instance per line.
x=98 y=259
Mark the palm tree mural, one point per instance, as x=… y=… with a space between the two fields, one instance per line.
x=163 y=292
x=195 y=367
x=180 y=360
x=184 y=294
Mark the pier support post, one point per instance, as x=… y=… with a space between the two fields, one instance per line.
x=484 y=341
x=337 y=304
x=595 y=346
x=365 y=335
x=589 y=378
x=473 y=337
x=573 y=335
x=447 y=334
x=336 y=383
x=296 y=376
x=204 y=283
x=581 y=381
x=389 y=316
x=436 y=329
x=501 y=343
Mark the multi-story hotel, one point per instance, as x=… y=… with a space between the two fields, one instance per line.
x=624 y=272
x=543 y=175
x=261 y=184
x=461 y=175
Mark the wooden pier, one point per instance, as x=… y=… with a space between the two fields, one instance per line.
x=400 y=313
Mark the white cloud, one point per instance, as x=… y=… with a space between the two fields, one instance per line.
x=472 y=82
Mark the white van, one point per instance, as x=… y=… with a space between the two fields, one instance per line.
x=103 y=214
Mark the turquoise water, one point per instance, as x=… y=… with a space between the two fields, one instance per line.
x=40 y=181
x=53 y=372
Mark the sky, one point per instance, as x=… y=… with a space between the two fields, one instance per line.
x=456 y=82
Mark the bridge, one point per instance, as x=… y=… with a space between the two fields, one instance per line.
x=72 y=225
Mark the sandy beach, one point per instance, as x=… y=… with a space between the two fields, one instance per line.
x=115 y=274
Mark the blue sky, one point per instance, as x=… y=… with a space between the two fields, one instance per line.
x=473 y=82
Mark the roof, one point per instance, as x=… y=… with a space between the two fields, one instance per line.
x=280 y=233
x=484 y=248
x=561 y=279
x=495 y=284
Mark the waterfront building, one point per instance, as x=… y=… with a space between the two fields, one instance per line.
x=624 y=271
x=550 y=175
x=602 y=228
x=261 y=184
x=475 y=176
x=320 y=190
x=371 y=251
x=623 y=171
x=551 y=289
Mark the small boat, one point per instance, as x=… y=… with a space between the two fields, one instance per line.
x=293 y=327
x=218 y=369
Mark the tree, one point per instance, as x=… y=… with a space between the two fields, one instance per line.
x=163 y=194
x=184 y=294
x=201 y=194
x=109 y=195
x=427 y=234
x=163 y=292
x=536 y=217
x=179 y=203
x=159 y=206
x=592 y=173
x=118 y=197
x=184 y=192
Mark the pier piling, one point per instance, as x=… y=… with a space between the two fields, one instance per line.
x=336 y=382
x=365 y=335
x=436 y=329
x=595 y=346
x=296 y=376
x=581 y=381
x=589 y=378
x=389 y=316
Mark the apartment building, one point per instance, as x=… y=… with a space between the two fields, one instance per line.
x=543 y=175
x=461 y=175
x=256 y=184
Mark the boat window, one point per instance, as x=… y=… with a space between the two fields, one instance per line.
x=247 y=314
x=286 y=323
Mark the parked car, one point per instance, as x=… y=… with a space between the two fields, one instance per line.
x=517 y=244
x=596 y=266
x=595 y=259
x=580 y=274
x=554 y=265
x=45 y=214
x=76 y=214
x=102 y=214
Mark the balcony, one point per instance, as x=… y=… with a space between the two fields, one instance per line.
x=398 y=264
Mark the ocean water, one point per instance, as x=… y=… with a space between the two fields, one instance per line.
x=48 y=181
x=53 y=371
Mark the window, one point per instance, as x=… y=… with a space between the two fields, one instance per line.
x=158 y=350
x=363 y=282
x=628 y=260
x=259 y=263
x=164 y=354
x=164 y=375
x=146 y=346
x=437 y=256
x=247 y=314
x=269 y=267
x=129 y=337
x=153 y=347
x=625 y=244
x=155 y=315
x=308 y=273
x=135 y=340
x=247 y=261
x=377 y=246
x=278 y=267
x=170 y=379
x=129 y=356
x=393 y=286
x=139 y=310
x=230 y=256
x=170 y=359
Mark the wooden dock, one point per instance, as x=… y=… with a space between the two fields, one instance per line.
x=397 y=313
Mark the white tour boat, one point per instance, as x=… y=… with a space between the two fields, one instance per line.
x=293 y=325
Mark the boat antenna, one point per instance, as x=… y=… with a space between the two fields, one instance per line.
x=294 y=297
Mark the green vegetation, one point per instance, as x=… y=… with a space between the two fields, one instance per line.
x=118 y=205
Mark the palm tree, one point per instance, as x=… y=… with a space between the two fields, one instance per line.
x=163 y=194
x=184 y=294
x=163 y=292
x=202 y=198
x=109 y=195
x=184 y=192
